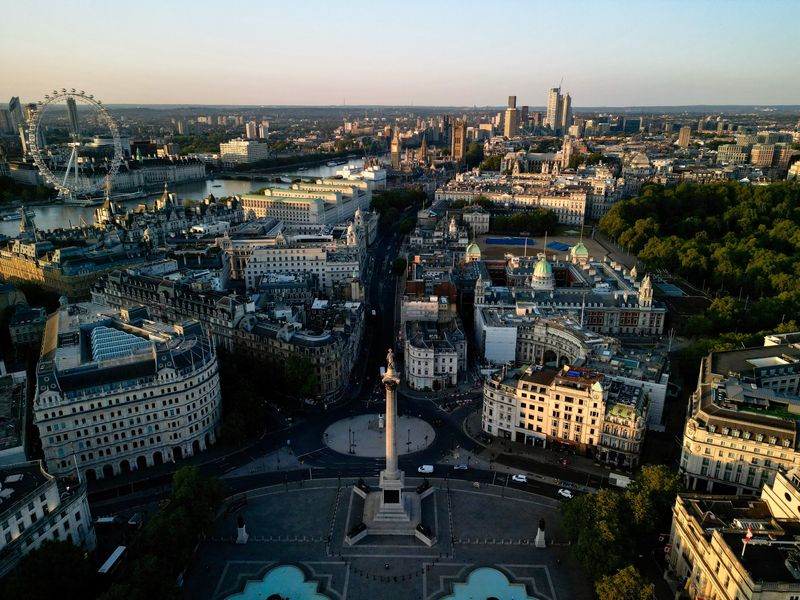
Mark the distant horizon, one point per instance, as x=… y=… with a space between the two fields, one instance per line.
x=498 y=107
x=609 y=53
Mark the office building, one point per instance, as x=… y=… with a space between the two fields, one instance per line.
x=565 y=114
x=240 y=151
x=117 y=391
x=68 y=270
x=684 y=136
x=511 y=123
x=17 y=116
x=732 y=548
x=13 y=417
x=741 y=428
x=559 y=111
x=328 y=337
x=435 y=354
x=6 y=125
x=571 y=407
x=263 y=130
x=36 y=508
x=251 y=130
x=458 y=145
x=554 y=106
x=330 y=256
x=324 y=202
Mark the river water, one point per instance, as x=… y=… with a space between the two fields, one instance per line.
x=58 y=215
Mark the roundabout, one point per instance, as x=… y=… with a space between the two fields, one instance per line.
x=365 y=435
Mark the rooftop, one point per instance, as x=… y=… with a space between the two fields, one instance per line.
x=18 y=481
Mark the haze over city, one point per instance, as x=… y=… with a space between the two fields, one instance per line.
x=453 y=53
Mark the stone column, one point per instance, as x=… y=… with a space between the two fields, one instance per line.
x=391 y=426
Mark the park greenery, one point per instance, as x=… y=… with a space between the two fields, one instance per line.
x=608 y=528
x=481 y=201
x=12 y=191
x=389 y=204
x=577 y=160
x=492 y=163
x=287 y=161
x=739 y=242
x=535 y=222
x=399 y=266
x=474 y=155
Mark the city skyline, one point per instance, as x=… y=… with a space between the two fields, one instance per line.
x=671 y=53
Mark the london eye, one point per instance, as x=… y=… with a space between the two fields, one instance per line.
x=78 y=152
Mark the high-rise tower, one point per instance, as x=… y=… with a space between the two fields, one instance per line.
x=553 y=109
x=512 y=118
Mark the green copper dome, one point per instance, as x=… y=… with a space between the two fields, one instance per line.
x=473 y=249
x=579 y=250
x=543 y=268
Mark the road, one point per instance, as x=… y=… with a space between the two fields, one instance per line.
x=304 y=436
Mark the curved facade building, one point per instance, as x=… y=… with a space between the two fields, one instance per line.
x=118 y=392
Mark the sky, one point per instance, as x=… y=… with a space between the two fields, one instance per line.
x=404 y=52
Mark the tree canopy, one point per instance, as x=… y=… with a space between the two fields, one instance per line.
x=741 y=241
x=474 y=155
x=58 y=567
x=165 y=544
x=491 y=163
x=536 y=221
x=625 y=584
x=605 y=527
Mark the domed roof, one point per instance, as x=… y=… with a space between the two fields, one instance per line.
x=543 y=268
x=579 y=250
x=473 y=249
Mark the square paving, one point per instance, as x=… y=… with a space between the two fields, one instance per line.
x=486 y=527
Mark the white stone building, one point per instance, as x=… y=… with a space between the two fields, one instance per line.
x=35 y=508
x=117 y=391
x=707 y=554
x=574 y=408
x=742 y=424
x=237 y=152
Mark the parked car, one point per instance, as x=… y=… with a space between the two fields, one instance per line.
x=136 y=520
x=460 y=467
x=566 y=494
x=519 y=478
x=425 y=469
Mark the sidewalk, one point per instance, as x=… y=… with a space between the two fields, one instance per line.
x=502 y=450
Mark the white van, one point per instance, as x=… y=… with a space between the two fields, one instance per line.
x=425 y=469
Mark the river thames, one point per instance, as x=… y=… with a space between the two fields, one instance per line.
x=59 y=215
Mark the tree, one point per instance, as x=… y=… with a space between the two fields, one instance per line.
x=399 y=266
x=595 y=523
x=301 y=375
x=651 y=495
x=165 y=544
x=59 y=568
x=491 y=163
x=474 y=155
x=625 y=584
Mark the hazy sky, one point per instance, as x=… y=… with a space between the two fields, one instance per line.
x=426 y=52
